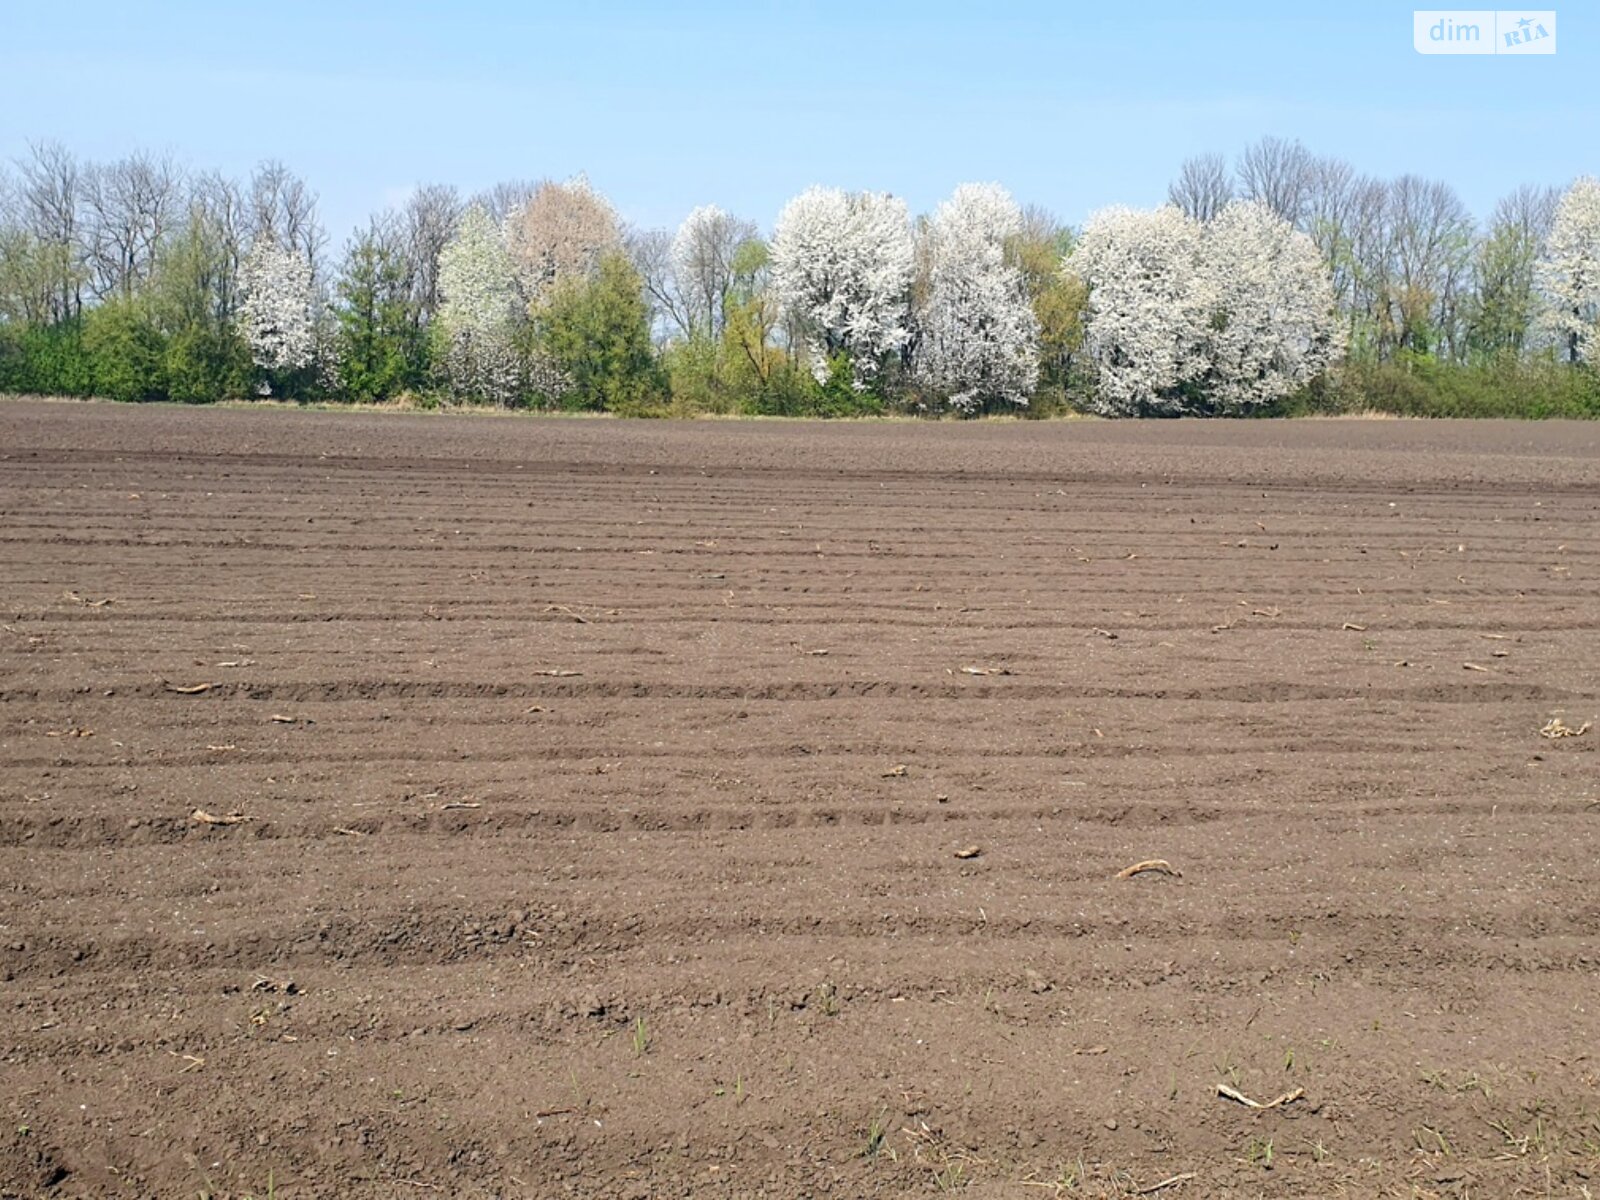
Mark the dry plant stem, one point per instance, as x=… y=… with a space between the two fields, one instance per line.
x=1234 y=1094
x=1158 y=865
x=1555 y=727
x=1165 y=1183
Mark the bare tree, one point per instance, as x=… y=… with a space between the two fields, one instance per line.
x=428 y=222
x=506 y=197
x=650 y=251
x=1039 y=224
x=1363 y=259
x=1503 y=297
x=1202 y=187
x=48 y=202
x=220 y=221
x=130 y=207
x=284 y=211
x=27 y=293
x=1328 y=199
x=702 y=265
x=8 y=194
x=1328 y=216
x=1432 y=235
x=1530 y=210
x=1277 y=172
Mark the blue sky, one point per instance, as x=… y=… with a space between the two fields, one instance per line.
x=668 y=105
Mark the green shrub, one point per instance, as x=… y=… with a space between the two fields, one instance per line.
x=698 y=378
x=837 y=395
x=598 y=332
x=205 y=364
x=1418 y=386
x=127 y=350
x=46 y=360
x=787 y=391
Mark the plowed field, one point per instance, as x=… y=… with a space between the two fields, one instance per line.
x=396 y=806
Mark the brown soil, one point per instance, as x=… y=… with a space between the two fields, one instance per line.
x=602 y=787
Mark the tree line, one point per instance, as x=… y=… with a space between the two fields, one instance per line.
x=1283 y=281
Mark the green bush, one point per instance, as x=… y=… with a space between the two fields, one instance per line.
x=206 y=364
x=1051 y=400
x=1418 y=386
x=698 y=378
x=118 y=350
x=127 y=350
x=787 y=391
x=598 y=332
x=48 y=360
x=837 y=395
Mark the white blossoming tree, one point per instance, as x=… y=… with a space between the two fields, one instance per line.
x=1144 y=331
x=977 y=334
x=842 y=266
x=1568 y=273
x=1189 y=318
x=1272 y=327
x=276 y=314
x=477 y=303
